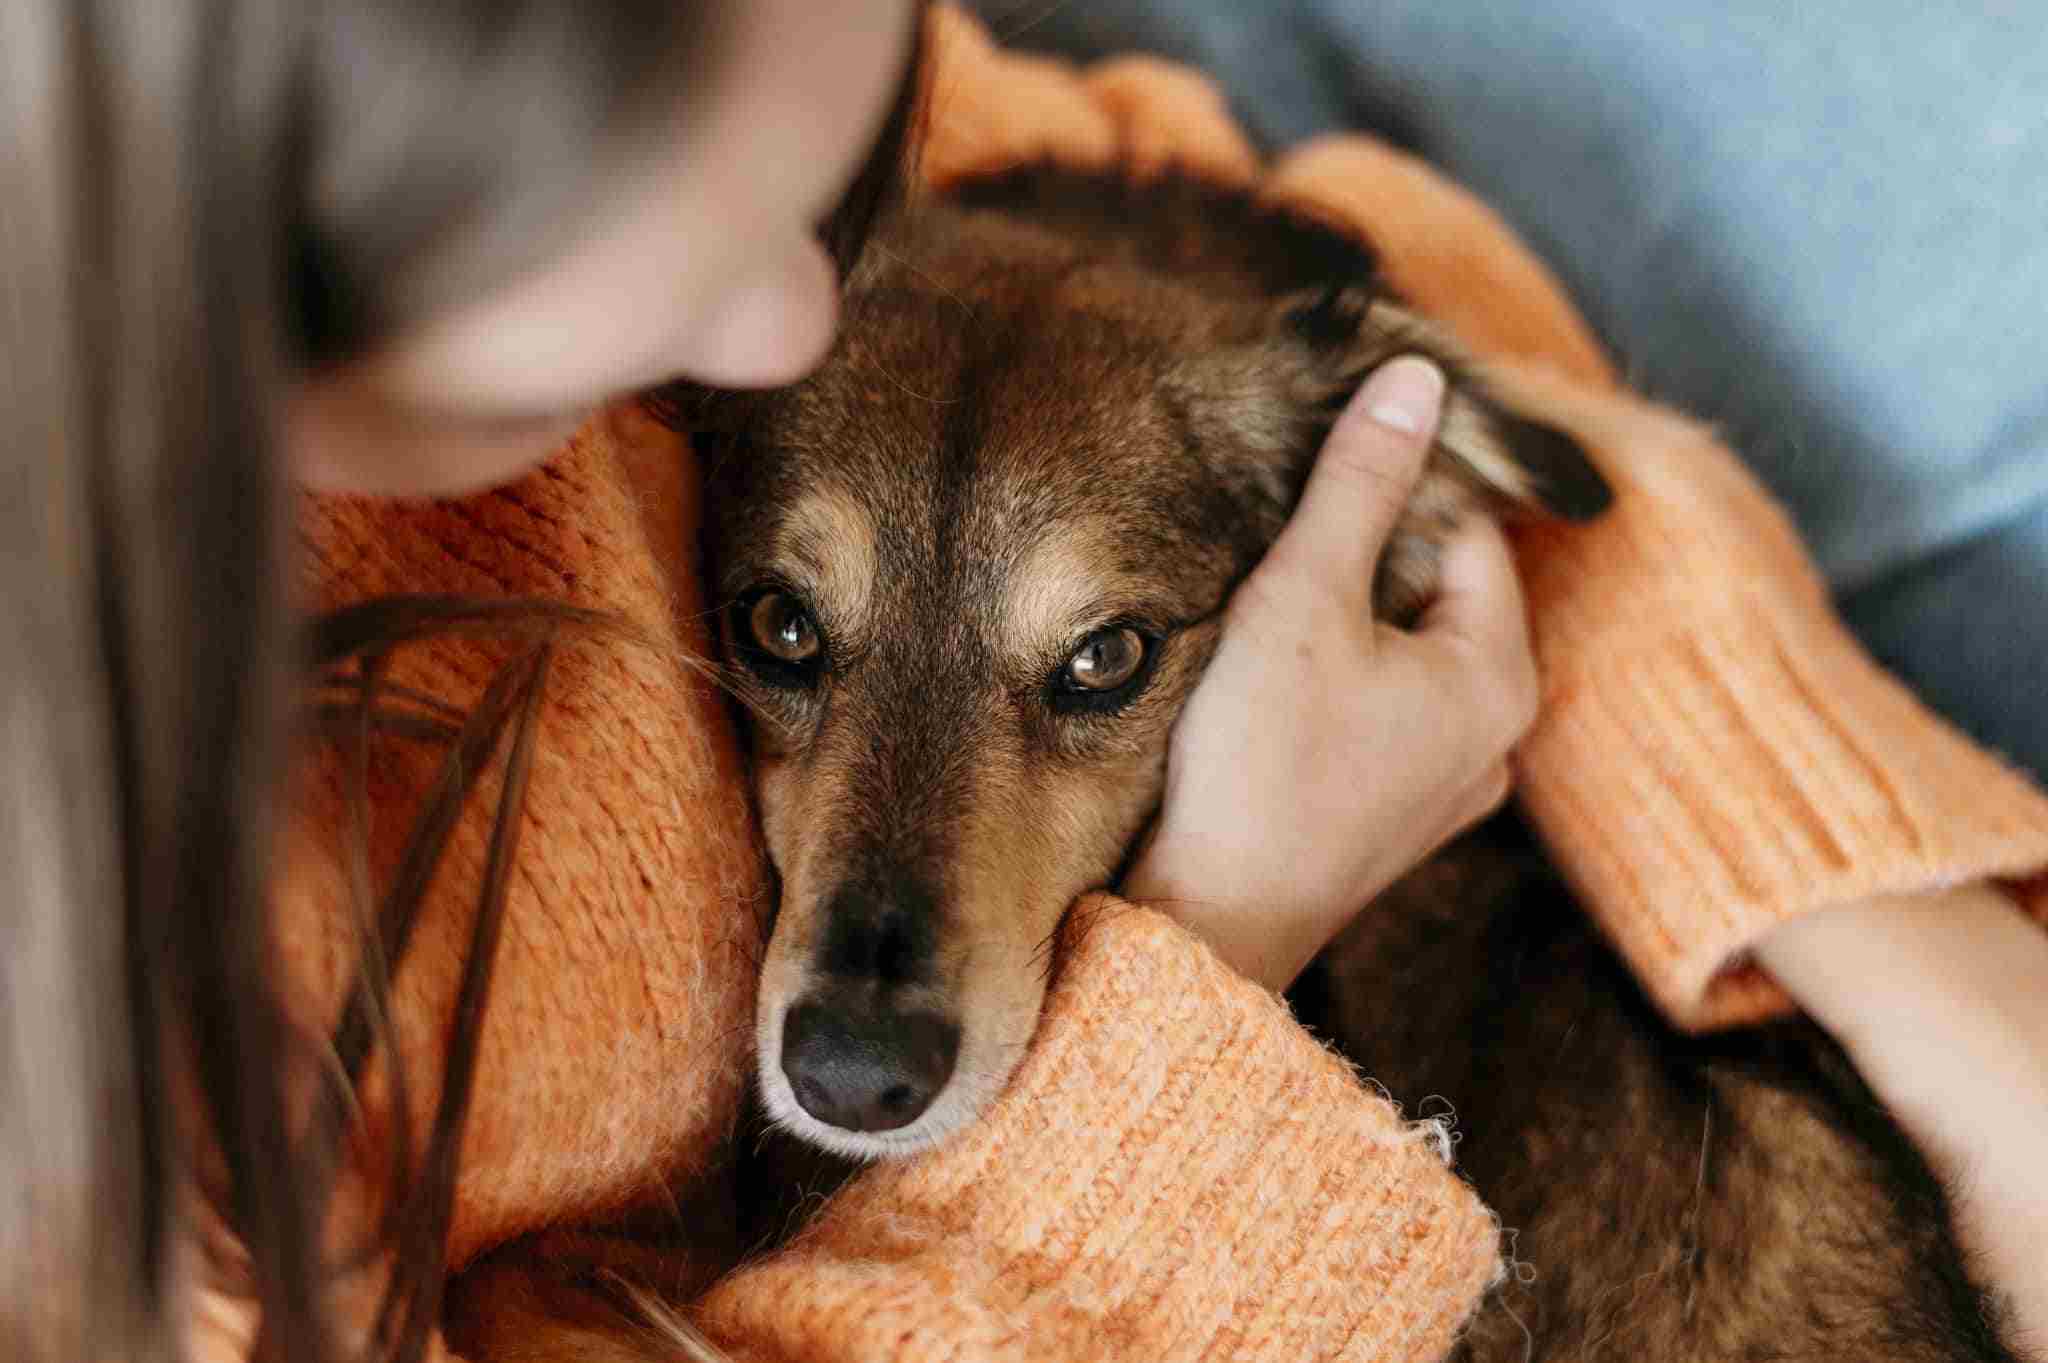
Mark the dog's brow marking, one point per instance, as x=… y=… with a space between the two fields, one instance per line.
x=830 y=533
x=1049 y=590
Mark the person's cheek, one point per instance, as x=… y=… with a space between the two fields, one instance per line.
x=770 y=328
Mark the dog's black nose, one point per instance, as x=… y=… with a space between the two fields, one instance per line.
x=866 y=1071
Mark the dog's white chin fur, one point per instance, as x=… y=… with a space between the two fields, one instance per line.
x=975 y=1083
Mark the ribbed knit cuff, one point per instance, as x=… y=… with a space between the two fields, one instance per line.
x=1178 y=1171
x=1716 y=753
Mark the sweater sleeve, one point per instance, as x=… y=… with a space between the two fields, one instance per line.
x=1177 y=1171
x=1716 y=754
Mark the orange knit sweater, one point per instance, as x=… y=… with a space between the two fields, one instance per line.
x=1177 y=1171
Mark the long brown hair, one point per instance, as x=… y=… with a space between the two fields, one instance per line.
x=201 y=200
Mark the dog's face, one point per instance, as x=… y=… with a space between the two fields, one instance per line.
x=971 y=570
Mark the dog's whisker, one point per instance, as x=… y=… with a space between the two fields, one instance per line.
x=1052 y=9
x=937 y=285
x=932 y=398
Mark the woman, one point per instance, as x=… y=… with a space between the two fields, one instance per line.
x=219 y=217
x=349 y=249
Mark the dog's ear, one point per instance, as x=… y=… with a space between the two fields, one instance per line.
x=1523 y=463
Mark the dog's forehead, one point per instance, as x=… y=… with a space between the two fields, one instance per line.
x=1033 y=442
x=995 y=427
x=1074 y=488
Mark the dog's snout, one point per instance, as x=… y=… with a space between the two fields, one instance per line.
x=884 y=935
x=863 y=1071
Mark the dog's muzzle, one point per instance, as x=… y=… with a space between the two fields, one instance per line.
x=861 y=1048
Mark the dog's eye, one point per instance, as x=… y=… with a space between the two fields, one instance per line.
x=783 y=628
x=1105 y=661
x=776 y=635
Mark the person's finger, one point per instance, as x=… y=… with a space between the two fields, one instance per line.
x=1468 y=808
x=1479 y=614
x=1362 y=479
x=1489 y=795
x=1479 y=595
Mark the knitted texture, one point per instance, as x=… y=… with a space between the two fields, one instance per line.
x=1716 y=753
x=613 y=1048
x=1177 y=1170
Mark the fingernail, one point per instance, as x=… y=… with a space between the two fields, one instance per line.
x=1403 y=394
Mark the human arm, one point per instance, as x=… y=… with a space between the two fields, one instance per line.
x=1725 y=776
x=1718 y=758
x=1719 y=769
x=1941 y=1000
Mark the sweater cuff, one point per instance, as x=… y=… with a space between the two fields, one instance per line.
x=1177 y=1170
x=1716 y=753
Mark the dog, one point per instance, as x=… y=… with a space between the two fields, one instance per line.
x=971 y=570
x=974 y=566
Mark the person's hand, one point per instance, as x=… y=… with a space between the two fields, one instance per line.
x=1324 y=754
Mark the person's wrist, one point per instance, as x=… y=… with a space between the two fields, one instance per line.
x=1253 y=934
x=1941 y=999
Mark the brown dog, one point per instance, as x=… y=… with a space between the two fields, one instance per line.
x=973 y=568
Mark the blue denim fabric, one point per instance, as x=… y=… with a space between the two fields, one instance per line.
x=1823 y=226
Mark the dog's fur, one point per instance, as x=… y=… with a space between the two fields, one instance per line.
x=1067 y=409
